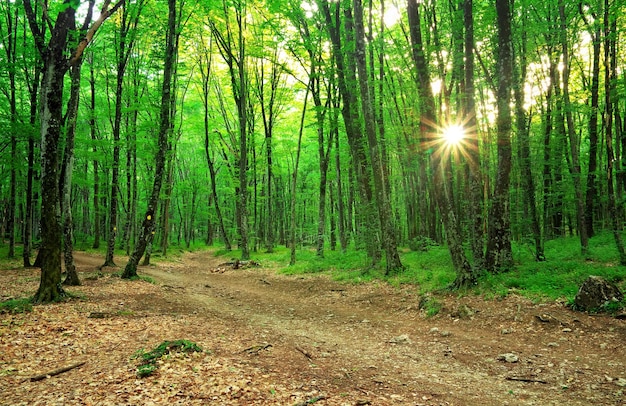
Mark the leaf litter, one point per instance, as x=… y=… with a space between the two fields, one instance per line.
x=295 y=341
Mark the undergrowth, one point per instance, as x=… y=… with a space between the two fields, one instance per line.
x=149 y=359
x=431 y=270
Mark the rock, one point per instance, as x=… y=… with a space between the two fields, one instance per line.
x=596 y=292
x=621 y=382
x=463 y=312
x=508 y=357
x=401 y=339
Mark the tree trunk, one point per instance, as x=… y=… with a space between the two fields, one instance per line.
x=366 y=219
x=572 y=137
x=165 y=128
x=294 y=182
x=71 y=276
x=609 y=91
x=523 y=136
x=474 y=165
x=499 y=255
x=591 y=195
x=383 y=200
x=96 y=175
x=464 y=273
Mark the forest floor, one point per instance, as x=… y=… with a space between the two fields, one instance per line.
x=271 y=339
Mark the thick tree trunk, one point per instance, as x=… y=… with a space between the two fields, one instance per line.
x=51 y=118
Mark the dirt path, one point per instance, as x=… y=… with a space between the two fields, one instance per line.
x=371 y=341
x=271 y=339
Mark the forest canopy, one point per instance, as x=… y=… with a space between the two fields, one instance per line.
x=336 y=125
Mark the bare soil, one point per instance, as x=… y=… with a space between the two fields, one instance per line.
x=271 y=339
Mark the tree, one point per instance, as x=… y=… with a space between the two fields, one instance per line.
x=387 y=231
x=124 y=47
x=232 y=47
x=165 y=129
x=499 y=255
x=465 y=274
x=56 y=62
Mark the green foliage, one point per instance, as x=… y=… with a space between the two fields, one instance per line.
x=15 y=306
x=149 y=359
x=561 y=274
x=430 y=305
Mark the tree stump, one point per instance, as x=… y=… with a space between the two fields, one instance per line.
x=595 y=293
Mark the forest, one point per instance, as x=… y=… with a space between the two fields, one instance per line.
x=380 y=126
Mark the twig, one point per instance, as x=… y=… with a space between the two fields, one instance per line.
x=306 y=354
x=255 y=349
x=522 y=379
x=55 y=372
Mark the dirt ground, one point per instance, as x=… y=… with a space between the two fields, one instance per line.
x=271 y=339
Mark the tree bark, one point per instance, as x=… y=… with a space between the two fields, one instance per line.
x=609 y=37
x=71 y=276
x=165 y=129
x=591 y=195
x=383 y=200
x=465 y=275
x=499 y=256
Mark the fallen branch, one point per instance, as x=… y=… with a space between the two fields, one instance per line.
x=255 y=349
x=55 y=372
x=522 y=379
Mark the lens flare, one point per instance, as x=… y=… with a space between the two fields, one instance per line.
x=453 y=134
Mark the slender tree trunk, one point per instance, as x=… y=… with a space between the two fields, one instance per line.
x=96 y=175
x=572 y=137
x=609 y=91
x=294 y=182
x=9 y=43
x=523 y=136
x=591 y=195
x=383 y=200
x=28 y=220
x=165 y=128
x=475 y=170
x=71 y=277
x=499 y=255
x=464 y=273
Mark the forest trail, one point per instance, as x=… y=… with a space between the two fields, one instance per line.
x=272 y=339
x=374 y=339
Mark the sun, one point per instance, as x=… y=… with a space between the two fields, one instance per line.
x=453 y=134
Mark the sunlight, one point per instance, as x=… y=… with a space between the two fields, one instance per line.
x=453 y=134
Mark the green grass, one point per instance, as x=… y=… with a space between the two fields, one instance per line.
x=15 y=306
x=560 y=276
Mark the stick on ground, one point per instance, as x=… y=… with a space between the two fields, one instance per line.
x=55 y=372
